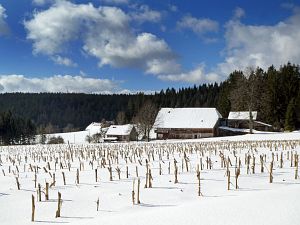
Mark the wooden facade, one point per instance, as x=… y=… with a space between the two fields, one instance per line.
x=185 y=133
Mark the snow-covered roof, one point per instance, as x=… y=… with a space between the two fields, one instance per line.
x=242 y=115
x=119 y=129
x=265 y=124
x=93 y=126
x=187 y=118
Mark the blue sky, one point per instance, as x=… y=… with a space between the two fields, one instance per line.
x=119 y=46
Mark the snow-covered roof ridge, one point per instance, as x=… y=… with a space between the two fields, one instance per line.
x=93 y=125
x=242 y=115
x=119 y=129
x=187 y=118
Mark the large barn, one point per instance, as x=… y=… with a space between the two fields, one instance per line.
x=186 y=123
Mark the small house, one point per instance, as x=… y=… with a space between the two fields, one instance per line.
x=187 y=123
x=125 y=132
x=241 y=119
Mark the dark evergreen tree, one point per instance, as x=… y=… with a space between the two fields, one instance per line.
x=16 y=130
x=290 y=117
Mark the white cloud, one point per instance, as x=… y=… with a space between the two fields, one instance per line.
x=288 y=5
x=41 y=2
x=250 y=46
x=173 y=8
x=145 y=14
x=57 y=83
x=196 y=75
x=45 y=2
x=52 y=28
x=160 y=67
x=116 y=2
x=238 y=13
x=63 y=61
x=259 y=45
x=105 y=34
x=198 y=26
x=133 y=92
x=138 y=53
x=112 y=2
x=3 y=25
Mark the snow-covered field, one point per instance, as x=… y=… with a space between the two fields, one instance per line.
x=255 y=201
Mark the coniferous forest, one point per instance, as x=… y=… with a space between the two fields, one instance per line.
x=274 y=93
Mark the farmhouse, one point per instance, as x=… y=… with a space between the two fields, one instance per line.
x=125 y=132
x=241 y=120
x=187 y=123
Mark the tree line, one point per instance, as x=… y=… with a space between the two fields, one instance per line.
x=274 y=93
x=16 y=130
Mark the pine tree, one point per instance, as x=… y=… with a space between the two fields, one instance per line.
x=290 y=116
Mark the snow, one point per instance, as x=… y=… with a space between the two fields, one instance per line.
x=77 y=137
x=265 y=124
x=119 y=130
x=255 y=202
x=94 y=127
x=152 y=134
x=110 y=139
x=187 y=118
x=242 y=115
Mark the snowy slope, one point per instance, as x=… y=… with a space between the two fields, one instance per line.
x=78 y=137
x=72 y=137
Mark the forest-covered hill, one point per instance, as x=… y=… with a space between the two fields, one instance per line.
x=273 y=93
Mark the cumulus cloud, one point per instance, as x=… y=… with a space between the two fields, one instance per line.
x=3 y=25
x=57 y=83
x=249 y=46
x=260 y=45
x=198 y=26
x=197 y=75
x=105 y=34
x=63 y=61
x=157 y=67
x=145 y=14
